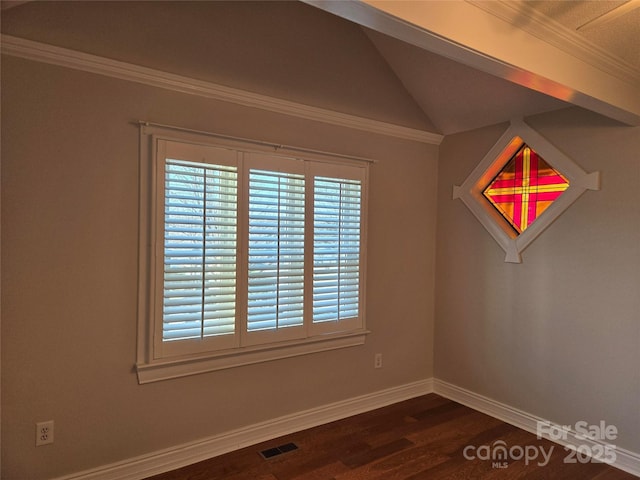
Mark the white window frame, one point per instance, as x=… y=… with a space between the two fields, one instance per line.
x=155 y=361
x=470 y=192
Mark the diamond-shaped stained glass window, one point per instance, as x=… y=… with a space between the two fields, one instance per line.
x=516 y=194
x=525 y=187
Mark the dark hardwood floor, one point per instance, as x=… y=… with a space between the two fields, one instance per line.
x=424 y=437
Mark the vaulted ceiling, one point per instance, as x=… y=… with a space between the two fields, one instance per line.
x=464 y=63
x=468 y=63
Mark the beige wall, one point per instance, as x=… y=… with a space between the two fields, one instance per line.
x=69 y=275
x=282 y=49
x=556 y=336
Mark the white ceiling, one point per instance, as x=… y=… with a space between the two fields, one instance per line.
x=613 y=25
x=454 y=96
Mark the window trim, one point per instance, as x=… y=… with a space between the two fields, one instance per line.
x=149 y=367
x=470 y=192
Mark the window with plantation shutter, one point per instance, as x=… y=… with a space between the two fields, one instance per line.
x=196 y=248
x=200 y=230
x=253 y=256
x=276 y=250
x=336 y=248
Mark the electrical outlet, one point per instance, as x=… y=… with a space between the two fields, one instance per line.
x=377 y=362
x=44 y=433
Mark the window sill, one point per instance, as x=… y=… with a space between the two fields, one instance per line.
x=166 y=369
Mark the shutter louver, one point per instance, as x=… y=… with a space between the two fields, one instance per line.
x=336 y=249
x=200 y=225
x=276 y=250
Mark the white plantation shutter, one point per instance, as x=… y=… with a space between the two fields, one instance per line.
x=336 y=248
x=246 y=254
x=276 y=250
x=199 y=254
x=253 y=252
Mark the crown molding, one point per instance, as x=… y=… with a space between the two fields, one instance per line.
x=523 y=16
x=45 y=53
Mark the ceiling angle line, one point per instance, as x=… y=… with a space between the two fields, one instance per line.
x=610 y=15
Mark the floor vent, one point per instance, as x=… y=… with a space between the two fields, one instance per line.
x=272 y=452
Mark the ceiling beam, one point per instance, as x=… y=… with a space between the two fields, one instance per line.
x=510 y=41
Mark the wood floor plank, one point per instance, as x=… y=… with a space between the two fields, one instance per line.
x=326 y=472
x=427 y=437
x=613 y=474
x=461 y=429
x=373 y=454
x=398 y=466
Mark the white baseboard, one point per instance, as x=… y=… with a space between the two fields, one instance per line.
x=178 y=456
x=625 y=459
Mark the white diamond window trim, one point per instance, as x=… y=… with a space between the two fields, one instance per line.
x=513 y=240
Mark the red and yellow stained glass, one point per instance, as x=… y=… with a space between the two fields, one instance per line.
x=525 y=188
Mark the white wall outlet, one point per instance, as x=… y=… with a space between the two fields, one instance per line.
x=377 y=362
x=44 y=433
